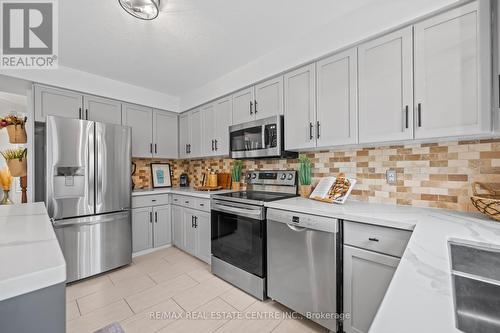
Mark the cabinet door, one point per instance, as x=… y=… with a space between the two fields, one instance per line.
x=366 y=278
x=203 y=237
x=102 y=110
x=243 y=108
x=140 y=119
x=447 y=75
x=189 y=232
x=165 y=134
x=208 y=130
x=57 y=102
x=300 y=108
x=269 y=98
x=178 y=226
x=337 y=106
x=195 y=123
x=184 y=135
x=142 y=229
x=162 y=225
x=223 y=119
x=386 y=88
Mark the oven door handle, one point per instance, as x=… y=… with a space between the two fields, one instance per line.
x=257 y=213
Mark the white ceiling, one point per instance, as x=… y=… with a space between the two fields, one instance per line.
x=192 y=42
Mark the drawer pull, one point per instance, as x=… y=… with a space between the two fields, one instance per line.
x=202 y=205
x=186 y=202
x=373 y=239
x=153 y=200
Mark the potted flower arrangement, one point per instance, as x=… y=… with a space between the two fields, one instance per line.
x=305 y=175
x=236 y=174
x=15 y=128
x=6 y=184
x=16 y=161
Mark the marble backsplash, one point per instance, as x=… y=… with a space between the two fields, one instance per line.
x=428 y=175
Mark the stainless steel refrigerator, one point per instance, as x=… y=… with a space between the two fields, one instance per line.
x=88 y=193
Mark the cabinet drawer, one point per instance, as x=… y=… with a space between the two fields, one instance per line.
x=150 y=200
x=375 y=238
x=183 y=201
x=202 y=204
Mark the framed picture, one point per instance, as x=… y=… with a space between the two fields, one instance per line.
x=160 y=172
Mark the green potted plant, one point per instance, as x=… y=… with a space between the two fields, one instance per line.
x=16 y=161
x=305 y=175
x=236 y=174
x=15 y=128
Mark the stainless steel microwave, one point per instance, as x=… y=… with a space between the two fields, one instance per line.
x=263 y=138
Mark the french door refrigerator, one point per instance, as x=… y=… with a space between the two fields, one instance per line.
x=88 y=193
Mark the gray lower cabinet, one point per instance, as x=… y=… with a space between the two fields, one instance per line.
x=151 y=227
x=203 y=238
x=189 y=231
x=177 y=227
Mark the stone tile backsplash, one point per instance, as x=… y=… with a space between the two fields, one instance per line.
x=428 y=175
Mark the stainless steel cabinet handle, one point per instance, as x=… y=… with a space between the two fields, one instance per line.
x=216 y=145
x=251 y=105
x=311 y=131
x=419 y=111
x=255 y=108
x=372 y=239
x=317 y=129
x=150 y=217
x=79 y=113
x=156 y=217
x=192 y=221
x=151 y=148
x=156 y=148
x=213 y=145
x=406 y=116
x=87 y=114
x=196 y=221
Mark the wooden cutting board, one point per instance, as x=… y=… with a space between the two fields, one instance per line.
x=224 y=180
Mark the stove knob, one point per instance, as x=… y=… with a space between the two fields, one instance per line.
x=254 y=175
x=283 y=176
x=248 y=176
x=290 y=176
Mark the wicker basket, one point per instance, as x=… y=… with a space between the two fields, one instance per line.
x=17 y=133
x=488 y=203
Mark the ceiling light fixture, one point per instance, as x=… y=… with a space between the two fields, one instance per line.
x=142 y=9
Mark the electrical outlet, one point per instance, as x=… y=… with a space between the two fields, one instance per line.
x=391 y=176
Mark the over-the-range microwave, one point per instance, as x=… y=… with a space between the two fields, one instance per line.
x=263 y=138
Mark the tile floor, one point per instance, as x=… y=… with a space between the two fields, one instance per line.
x=182 y=293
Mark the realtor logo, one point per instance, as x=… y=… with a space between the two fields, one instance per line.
x=29 y=34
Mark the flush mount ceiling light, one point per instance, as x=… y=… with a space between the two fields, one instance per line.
x=142 y=9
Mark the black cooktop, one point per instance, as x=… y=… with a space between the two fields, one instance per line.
x=257 y=195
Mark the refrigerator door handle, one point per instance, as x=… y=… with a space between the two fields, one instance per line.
x=91 y=162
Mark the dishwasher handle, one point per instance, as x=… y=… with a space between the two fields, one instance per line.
x=295 y=228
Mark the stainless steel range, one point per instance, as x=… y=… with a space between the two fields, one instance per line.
x=239 y=229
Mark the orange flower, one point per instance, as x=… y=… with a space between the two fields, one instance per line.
x=5 y=179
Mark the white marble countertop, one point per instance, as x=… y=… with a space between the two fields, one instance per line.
x=420 y=296
x=189 y=191
x=30 y=256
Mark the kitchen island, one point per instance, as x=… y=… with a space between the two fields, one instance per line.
x=33 y=271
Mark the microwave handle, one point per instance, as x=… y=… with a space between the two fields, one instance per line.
x=263 y=136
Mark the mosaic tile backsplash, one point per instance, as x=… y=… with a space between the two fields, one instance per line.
x=428 y=175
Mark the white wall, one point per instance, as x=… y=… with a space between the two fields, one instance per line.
x=358 y=25
x=70 y=78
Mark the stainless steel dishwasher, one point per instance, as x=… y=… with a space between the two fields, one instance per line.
x=303 y=262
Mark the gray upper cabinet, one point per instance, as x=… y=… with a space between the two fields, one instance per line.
x=367 y=276
x=300 y=108
x=337 y=102
x=450 y=81
x=223 y=119
x=195 y=123
x=57 y=102
x=165 y=134
x=140 y=118
x=102 y=110
x=208 y=130
x=269 y=98
x=386 y=88
x=243 y=106
x=184 y=135
x=162 y=225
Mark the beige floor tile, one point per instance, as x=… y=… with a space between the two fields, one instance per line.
x=87 y=287
x=201 y=274
x=124 y=273
x=209 y=321
x=182 y=257
x=238 y=299
x=97 y=319
x=254 y=320
x=299 y=326
x=159 y=293
x=72 y=311
x=145 y=322
x=202 y=293
x=147 y=265
x=112 y=294
x=172 y=271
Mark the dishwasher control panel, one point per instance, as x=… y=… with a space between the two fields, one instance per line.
x=313 y=222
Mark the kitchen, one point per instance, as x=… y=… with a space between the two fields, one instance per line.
x=345 y=181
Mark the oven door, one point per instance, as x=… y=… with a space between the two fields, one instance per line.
x=239 y=236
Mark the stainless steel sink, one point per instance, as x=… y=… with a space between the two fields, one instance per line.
x=475 y=269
